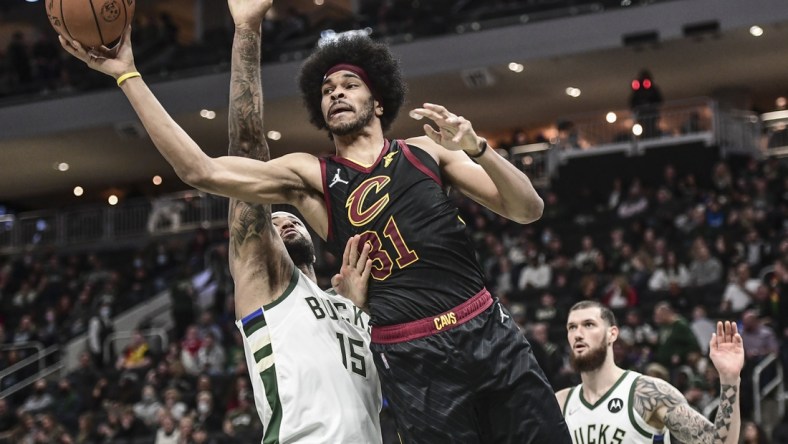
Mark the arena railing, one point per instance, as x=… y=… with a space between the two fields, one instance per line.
x=43 y=372
x=120 y=338
x=775 y=385
x=94 y=225
x=34 y=345
x=775 y=138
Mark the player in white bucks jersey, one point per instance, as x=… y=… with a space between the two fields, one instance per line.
x=307 y=351
x=308 y=355
x=616 y=406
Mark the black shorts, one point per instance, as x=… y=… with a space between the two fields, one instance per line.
x=471 y=382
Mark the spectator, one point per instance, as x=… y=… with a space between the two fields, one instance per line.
x=173 y=405
x=619 y=295
x=759 y=339
x=245 y=423
x=7 y=418
x=211 y=357
x=84 y=376
x=702 y=327
x=51 y=432
x=39 y=400
x=547 y=353
x=136 y=356
x=740 y=292
x=67 y=405
x=207 y=417
x=147 y=409
x=676 y=340
x=704 y=269
x=752 y=433
x=167 y=433
x=536 y=274
x=635 y=204
x=87 y=433
x=100 y=327
x=669 y=273
x=637 y=332
x=586 y=258
x=129 y=427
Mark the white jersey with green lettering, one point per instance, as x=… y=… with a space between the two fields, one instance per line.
x=612 y=419
x=312 y=372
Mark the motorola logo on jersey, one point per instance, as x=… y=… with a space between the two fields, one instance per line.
x=615 y=405
x=358 y=212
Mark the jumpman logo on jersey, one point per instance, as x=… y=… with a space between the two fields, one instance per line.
x=337 y=179
x=388 y=158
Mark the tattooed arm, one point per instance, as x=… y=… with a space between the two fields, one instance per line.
x=258 y=260
x=660 y=404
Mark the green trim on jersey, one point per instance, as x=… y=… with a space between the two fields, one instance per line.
x=632 y=411
x=602 y=399
x=259 y=322
x=271 y=434
x=288 y=290
x=566 y=401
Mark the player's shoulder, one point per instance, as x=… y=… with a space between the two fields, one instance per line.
x=656 y=392
x=562 y=395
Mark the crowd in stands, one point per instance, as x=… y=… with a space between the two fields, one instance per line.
x=35 y=64
x=669 y=257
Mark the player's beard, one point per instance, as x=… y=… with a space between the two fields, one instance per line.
x=301 y=251
x=365 y=115
x=591 y=360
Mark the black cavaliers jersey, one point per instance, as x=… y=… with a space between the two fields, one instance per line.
x=423 y=260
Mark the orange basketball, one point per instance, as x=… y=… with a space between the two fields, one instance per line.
x=90 y=22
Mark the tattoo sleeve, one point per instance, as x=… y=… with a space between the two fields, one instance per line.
x=656 y=401
x=246 y=136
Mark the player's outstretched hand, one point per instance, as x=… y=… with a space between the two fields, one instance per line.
x=454 y=132
x=726 y=351
x=351 y=281
x=112 y=62
x=249 y=13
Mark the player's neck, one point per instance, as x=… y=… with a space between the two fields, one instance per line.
x=309 y=271
x=362 y=148
x=596 y=383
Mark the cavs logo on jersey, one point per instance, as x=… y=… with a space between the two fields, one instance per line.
x=615 y=405
x=358 y=212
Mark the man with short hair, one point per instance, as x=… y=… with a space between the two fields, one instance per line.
x=615 y=405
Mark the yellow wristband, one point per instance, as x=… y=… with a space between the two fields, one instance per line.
x=127 y=76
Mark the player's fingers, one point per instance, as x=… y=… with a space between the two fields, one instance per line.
x=346 y=253
x=728 y=332
x=438 y=109
x=720 y=331
x=432 y=115
x=463 y=130
x=353 y=260
x=713 y=342
x=432 y=134
x=362 y=258
x=367 y=270
x=335 y=280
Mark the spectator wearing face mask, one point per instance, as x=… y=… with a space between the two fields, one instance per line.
x=207 y=417
x=99 y=329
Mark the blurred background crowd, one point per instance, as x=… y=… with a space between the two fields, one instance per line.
x=671 y=240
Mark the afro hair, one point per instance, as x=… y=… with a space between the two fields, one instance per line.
x=380 y=65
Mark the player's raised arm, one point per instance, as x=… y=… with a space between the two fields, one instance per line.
x=293 y=178
x=657 y=401
x=491 y=180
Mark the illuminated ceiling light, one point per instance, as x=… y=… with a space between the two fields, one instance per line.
x=207 y=114
x=274 y=135
x=637 y=129
x=157 y=180
x=756 y=31
x=62 y=166
x=516 y=67
x=113 y=199
x=611 y=117
x=573 y=92
x=781 y=102
x=319 y=2
x=78 y=191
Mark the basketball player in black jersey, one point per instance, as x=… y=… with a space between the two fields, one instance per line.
x=452 y=362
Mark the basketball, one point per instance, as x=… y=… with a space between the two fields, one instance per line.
x=92 y=23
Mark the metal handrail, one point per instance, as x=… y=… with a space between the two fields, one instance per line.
x=31 y=379
x=41 y=355
x=160 y=332
x=777 y=383
x=707 y=411
x=21 y=346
